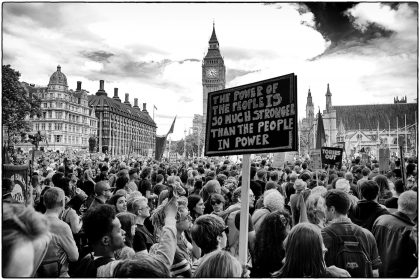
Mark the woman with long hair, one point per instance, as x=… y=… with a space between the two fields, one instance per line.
x=268 y=249
x=128 y=224
x=304 y=255
x=196 y=206
x=219 y=264
x=384 y=191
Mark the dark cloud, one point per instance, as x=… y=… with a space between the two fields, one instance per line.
x=336 y=26
x=47 y=15
x=231 y=74
x=98 y=56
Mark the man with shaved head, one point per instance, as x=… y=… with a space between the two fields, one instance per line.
x=102 y=193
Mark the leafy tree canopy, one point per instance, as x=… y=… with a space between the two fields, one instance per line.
x=17 y=102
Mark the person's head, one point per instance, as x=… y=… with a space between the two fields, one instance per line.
x=262 y=174
x=145 y=173
x=141 y=266
x=349 y=176
x=195 y=205
x=293 y=177
x=208 y=232
x=103 y=190
x=399 y=186
x=56 y=177
x=253 y=172
x=274 y=176
x=103 y=229
x=219 y=264
x=119 y=201
x=138 y=206
x=133 y=173
x=369 y=190
x=382 y=182
x=217 y=202
x=121 y=182
x=269 y=240
x=159 y=178
x=316 y=209
x=183 y=218
x=337 y=202
x=237 y=196
x=407 y=204
x=343 y=185
x=299 y=185
x=128 y=224
x=54 y=199
x=305 y=177
x=22 y=227
x=304 y=252
x=365 y=172
x=273 y=200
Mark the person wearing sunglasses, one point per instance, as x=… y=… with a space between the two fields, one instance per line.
x=217 y=202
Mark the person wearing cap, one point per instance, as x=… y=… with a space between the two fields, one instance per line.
x=102 y=194
x=302 y=192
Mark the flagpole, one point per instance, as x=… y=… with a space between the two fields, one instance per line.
x=154 y=112
x=397 y=135
x=405 y=123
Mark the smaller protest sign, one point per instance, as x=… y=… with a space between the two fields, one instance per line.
x=330 y=155
x=279 y=159
x=384 y=160
x=315 y=162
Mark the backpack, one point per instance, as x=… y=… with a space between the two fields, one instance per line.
x=350 y=255
x=88 y=266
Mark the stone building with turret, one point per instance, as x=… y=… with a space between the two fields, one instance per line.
x=363 y=127
x=67 y=121
x=123 y=128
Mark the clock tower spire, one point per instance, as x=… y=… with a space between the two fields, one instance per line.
x=213 y=71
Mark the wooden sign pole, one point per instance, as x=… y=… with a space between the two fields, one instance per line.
x=243 y=229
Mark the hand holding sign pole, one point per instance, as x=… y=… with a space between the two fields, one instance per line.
x=255 y=118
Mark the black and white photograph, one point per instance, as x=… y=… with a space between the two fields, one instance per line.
x=210 y=139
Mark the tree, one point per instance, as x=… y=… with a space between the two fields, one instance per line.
x=18 y=102
x=92 y=144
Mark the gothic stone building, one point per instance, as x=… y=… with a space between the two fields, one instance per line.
x=67 y=121
x=122 y=128
x=364 y=127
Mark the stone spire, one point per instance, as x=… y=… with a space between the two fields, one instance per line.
x=309 y=108
x=328 y=99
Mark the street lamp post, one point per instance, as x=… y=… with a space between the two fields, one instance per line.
x=185 y=143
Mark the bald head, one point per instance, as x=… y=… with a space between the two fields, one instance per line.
x=101 y=187
x=407 y=203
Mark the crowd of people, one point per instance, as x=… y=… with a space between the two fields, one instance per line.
x=137 y=217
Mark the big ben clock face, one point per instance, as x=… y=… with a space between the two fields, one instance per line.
x=212 y=72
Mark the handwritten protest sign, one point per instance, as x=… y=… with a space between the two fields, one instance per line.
x=330 y=155
x=279 y=159
x=256 y=118
x=315 y=162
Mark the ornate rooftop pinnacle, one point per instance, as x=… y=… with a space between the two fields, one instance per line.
x=328 y=90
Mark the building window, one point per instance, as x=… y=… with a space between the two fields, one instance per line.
x=43 y=126
x=59 y=105
x=49 y=126
x=58 y=138
x=44 y=115
x=50 y=114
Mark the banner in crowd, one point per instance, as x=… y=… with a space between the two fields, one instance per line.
x=384 y=159
x=256 y=118
x=160 y=147
x=279 y=159
x=331 y=155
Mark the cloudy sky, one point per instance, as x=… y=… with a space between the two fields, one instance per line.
x=367 y=52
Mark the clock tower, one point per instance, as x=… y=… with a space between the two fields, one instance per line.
x=213 y=72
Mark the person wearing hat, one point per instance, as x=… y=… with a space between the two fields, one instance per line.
x=302 y=192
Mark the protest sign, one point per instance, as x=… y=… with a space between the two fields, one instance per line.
x=315 y=162
x=256 y=118
x=279 y=159
x=330 y=155
x=384 y=160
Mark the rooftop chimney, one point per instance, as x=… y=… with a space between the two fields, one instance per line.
x=79 y=86
x=144 y=107
x=136 y=103
x=115 y=97
x=101 y=90
x=126 y=100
